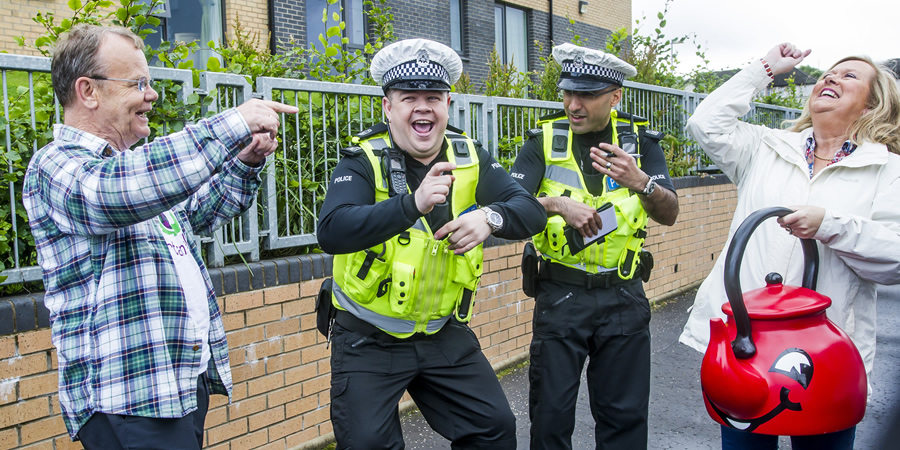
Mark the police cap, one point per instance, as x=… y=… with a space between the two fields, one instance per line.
x=586 y=69
x=416 y=65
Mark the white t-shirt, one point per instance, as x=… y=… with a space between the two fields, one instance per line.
x=191 y=281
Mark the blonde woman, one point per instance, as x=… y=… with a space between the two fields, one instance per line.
x=838 y=168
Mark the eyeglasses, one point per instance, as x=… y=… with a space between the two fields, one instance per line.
x=587 y=95
x=143 y=83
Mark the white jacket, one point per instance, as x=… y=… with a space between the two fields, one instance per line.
x=858 y=241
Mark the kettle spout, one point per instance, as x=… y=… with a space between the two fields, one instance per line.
x=733 y=385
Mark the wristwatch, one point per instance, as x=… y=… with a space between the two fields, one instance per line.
x=649 y=188
x=494 y=219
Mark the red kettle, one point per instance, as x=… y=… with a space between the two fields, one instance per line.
x=778 y=365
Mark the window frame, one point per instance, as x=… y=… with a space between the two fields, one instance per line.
x=503 y=47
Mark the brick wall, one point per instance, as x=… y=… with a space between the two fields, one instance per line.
x=279 y=361
x=18 y=13
x=254 y=17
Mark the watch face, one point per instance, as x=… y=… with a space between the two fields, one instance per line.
x=494 y=219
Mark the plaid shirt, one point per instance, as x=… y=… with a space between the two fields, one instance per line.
x=119 y=321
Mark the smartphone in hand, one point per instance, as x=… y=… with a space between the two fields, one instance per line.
x=608 y=224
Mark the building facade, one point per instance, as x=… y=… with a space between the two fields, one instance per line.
x=471 y=27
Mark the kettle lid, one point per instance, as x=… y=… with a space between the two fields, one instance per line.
x=777 y=301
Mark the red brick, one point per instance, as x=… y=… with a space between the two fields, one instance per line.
x=42 y=429
x=34 y=341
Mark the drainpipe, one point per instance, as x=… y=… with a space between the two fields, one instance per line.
x=271 y=6
x=550 y=41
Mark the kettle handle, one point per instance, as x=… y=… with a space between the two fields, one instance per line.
x=743 y=344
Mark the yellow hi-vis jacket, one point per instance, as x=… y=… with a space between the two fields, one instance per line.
x=413 y=283
x=562 y=176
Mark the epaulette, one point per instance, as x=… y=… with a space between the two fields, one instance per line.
x=555 y=115
x=351 y=151
x=378 y=128
x=453 y=129
x=622 y=115
x=655 y=135
x=534 y=132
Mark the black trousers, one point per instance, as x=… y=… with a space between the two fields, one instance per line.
x=610 y=327
x=113 y=431
x=446 y=374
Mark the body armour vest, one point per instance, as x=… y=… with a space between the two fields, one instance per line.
x=562 y=177
x=413 y=283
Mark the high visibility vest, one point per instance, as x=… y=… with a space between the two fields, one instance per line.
x=562 y=177
x=413 y=283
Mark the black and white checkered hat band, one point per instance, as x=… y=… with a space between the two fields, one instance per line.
x=413 y=71
x=604 y=74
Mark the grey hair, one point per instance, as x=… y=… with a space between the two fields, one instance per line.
x=75 y=56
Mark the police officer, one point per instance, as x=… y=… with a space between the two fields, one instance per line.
x=589 y=300
x=405 y=215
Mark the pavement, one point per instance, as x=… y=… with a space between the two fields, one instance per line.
x=678 y=418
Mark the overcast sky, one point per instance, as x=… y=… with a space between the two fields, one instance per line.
x=736 y=31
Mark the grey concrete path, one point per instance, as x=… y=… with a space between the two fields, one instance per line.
x=678 y=419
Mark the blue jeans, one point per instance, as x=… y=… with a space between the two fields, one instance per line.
x=733 y=439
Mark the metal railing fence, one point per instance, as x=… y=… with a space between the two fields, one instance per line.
x=285 y=214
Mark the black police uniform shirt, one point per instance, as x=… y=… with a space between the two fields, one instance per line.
x=528 y=169
x=350 y=220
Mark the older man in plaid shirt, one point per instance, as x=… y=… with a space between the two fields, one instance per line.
x=138 y=332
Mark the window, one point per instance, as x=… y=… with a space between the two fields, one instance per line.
x=456 y=25
x=179 y=23
x=353 y=17
x=510 y=37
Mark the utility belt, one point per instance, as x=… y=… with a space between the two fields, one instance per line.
x=536 y=268
x=357 y=325
x=563 y=274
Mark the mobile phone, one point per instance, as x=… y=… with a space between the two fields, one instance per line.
x=608 y=224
